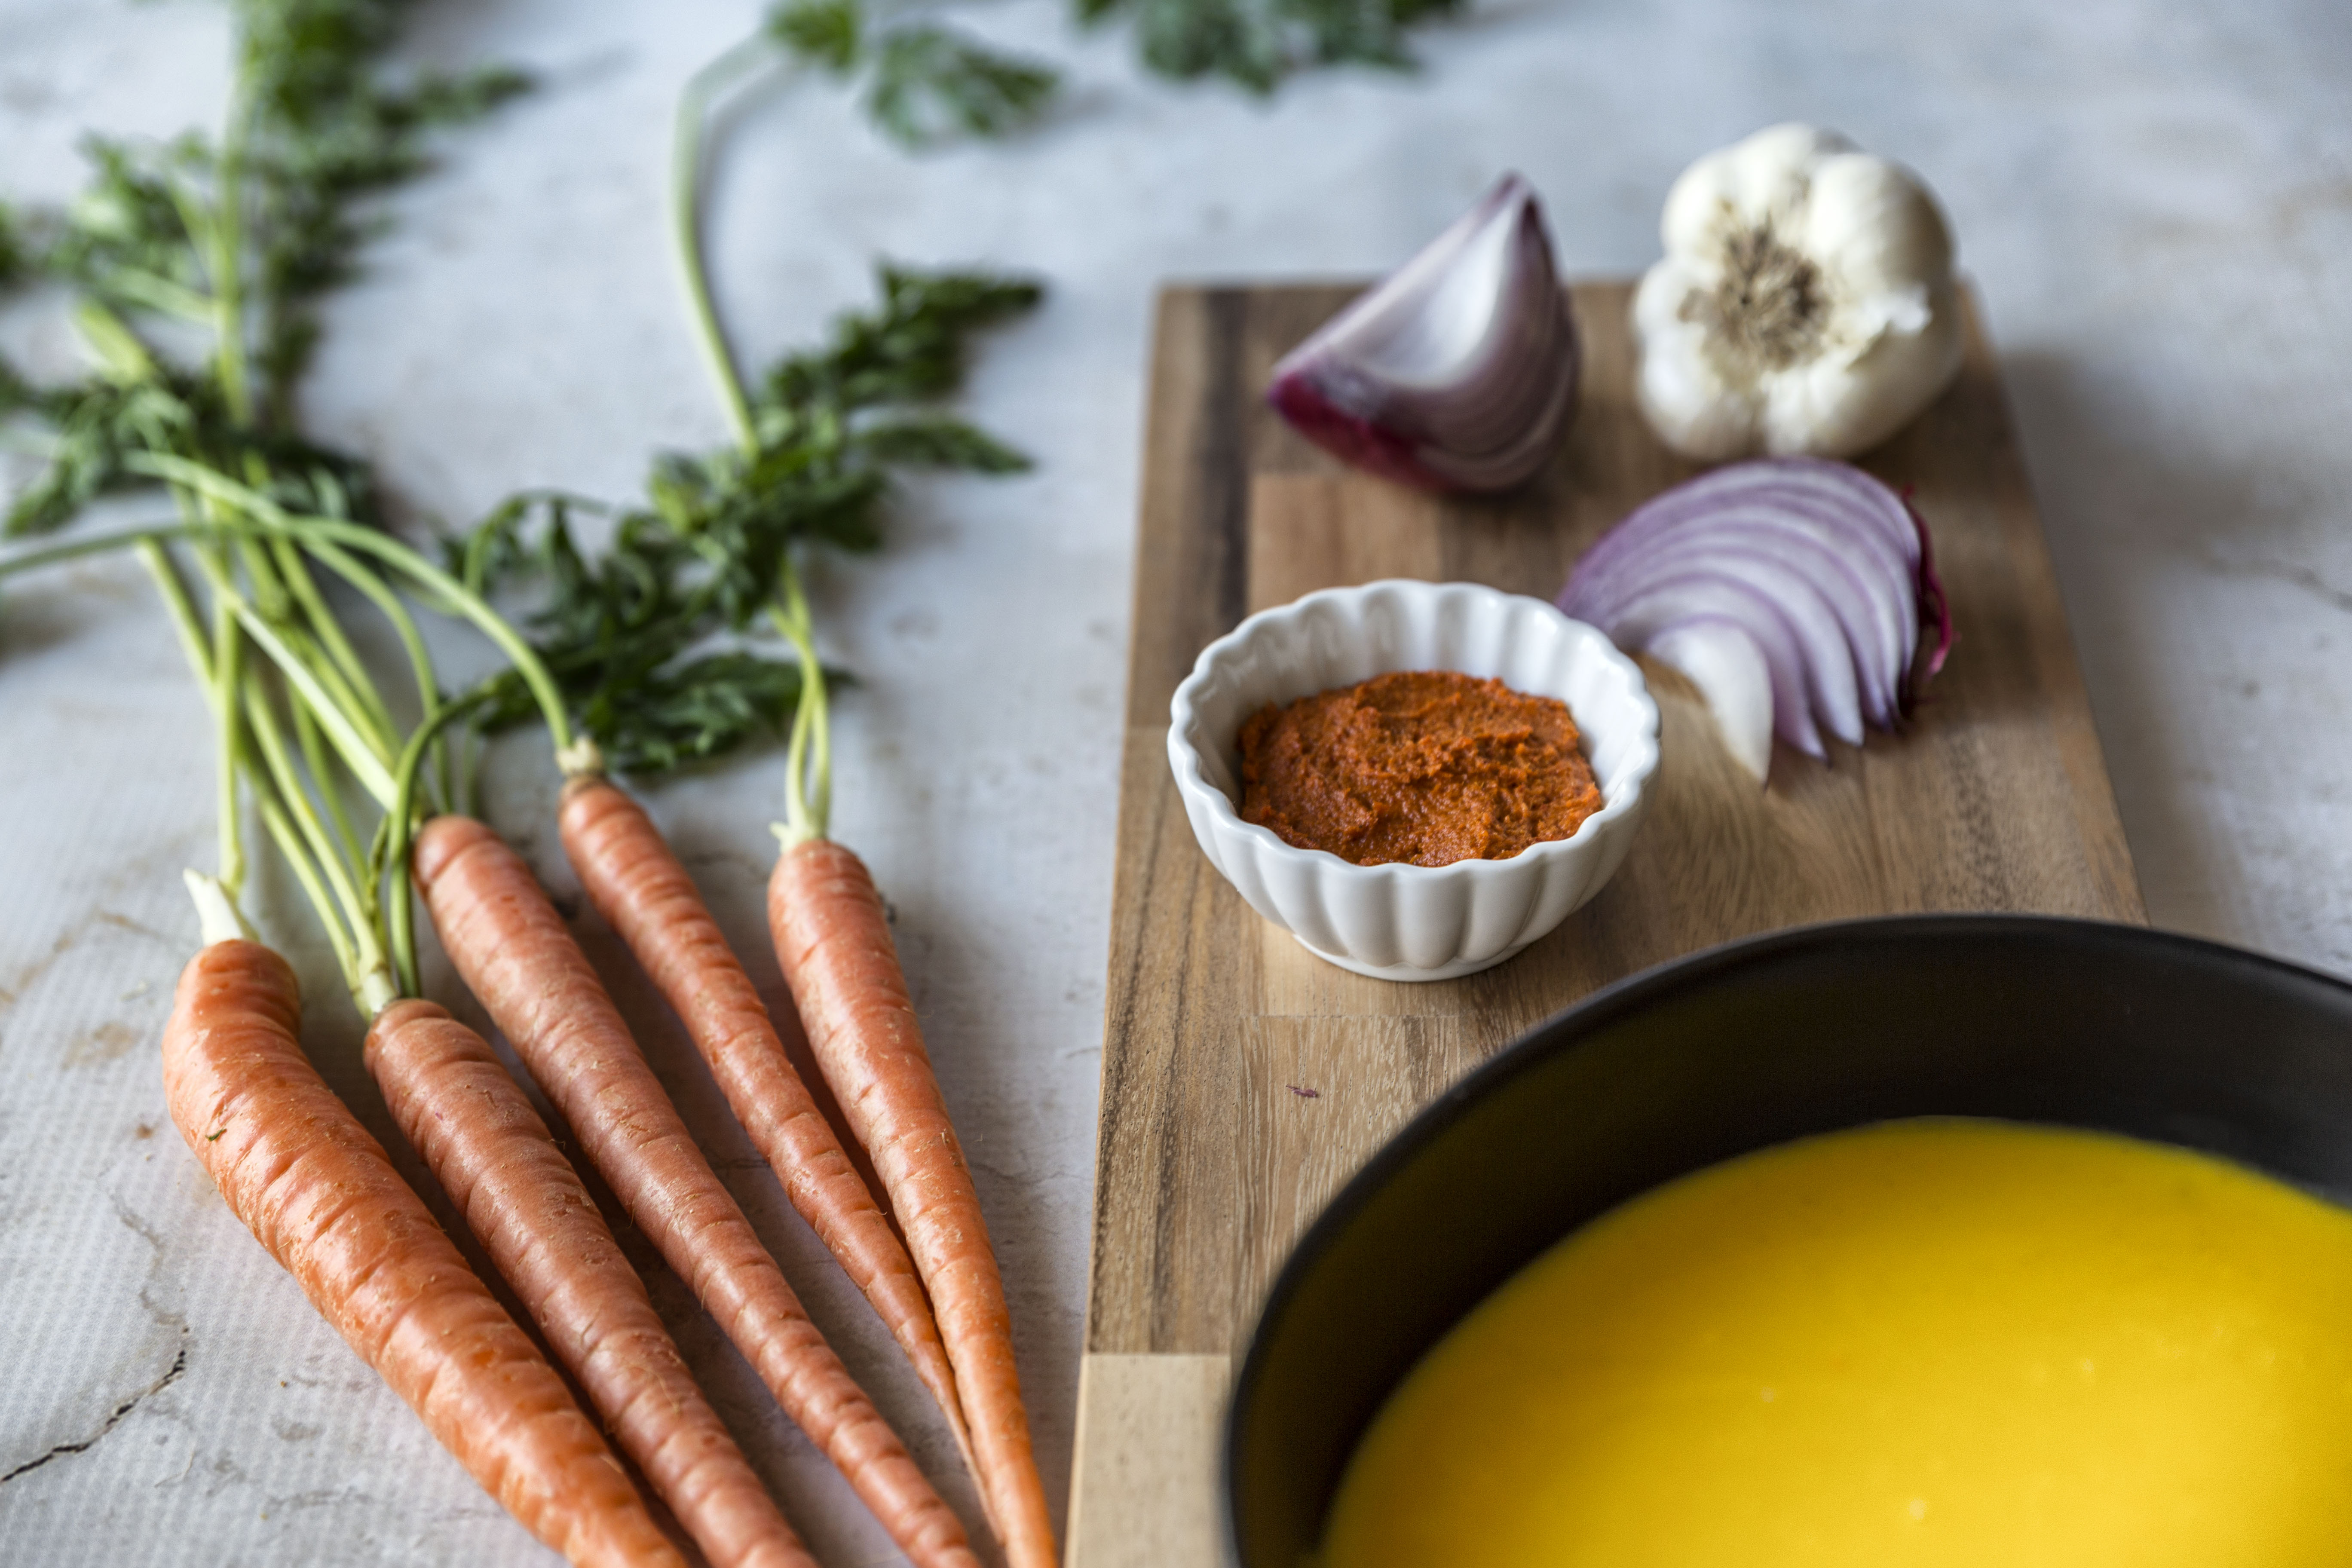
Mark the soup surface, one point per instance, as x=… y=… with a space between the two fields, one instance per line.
x=1923 y=1342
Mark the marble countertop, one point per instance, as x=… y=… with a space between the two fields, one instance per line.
x=2154 y=201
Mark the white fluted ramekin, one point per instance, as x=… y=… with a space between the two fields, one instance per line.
x=1411 y=922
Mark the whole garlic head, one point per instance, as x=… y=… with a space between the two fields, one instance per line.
x=1805 y=303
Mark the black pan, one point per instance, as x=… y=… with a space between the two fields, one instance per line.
x=2113 y=1027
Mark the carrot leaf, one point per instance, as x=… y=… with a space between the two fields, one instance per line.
x=16 y=249
x=241 y=235
x=925 y=83
x=628 y=632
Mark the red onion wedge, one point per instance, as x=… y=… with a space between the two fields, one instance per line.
x=1458 y=372
x=1791 y=591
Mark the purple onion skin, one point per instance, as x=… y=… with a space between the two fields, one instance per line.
x=1347 y=436
x=1311 y=410
x=1933 y=610
x=1531 y=367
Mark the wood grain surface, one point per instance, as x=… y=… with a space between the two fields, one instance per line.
x=1244 y=1079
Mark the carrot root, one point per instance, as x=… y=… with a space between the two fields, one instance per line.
x=514 y=954
x=471 y=1122
x=643 y=893
x=833 y=939
x=319 y=1193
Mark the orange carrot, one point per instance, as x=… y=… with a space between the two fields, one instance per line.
x=513 y=951
x=638 y=886
x=833 y=939
x=523 y=1199
x=318 y=1192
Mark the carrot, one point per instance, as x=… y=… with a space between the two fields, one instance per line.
x=513 y=951
x=833 y=939
x=638 y=886
x=492 y=1155
x=319 y=1193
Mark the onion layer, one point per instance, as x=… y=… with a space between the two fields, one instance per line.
x=1459 y=371
x=1791 y=591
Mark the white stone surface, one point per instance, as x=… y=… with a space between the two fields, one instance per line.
x=2155 y=201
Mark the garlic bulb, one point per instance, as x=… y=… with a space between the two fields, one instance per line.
x=1805 y=303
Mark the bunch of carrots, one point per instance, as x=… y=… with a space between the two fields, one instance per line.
x=306 y=737
x=311 y=1184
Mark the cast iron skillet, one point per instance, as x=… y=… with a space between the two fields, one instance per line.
x=1805 y=1031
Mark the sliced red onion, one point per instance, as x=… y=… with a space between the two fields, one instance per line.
x=1459 y=371
x=1711 y=596
x=1724 y=662
x=1860 y=617
x=1790 y=590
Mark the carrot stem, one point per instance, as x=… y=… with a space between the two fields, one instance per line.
x=212 y=533
x=403 y=626
x=263 y=727
x=173 y=589
x=344 y=659
x=314 y=756
x=344 y=900
x=808 y=755
x=357 y=753
x=227 y=670
x=58 y=551
x=400 y=831
x=224 y=229
x=686 y=213
x=216 y=913
x=288 y=839
x=360 y=891
x=267 y=514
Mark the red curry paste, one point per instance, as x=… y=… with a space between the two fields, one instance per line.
x=1425 y=767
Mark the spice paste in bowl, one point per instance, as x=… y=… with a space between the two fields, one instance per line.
x=1417 y=767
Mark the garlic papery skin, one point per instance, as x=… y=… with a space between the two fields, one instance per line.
x=1456 y=372
x=1805 y=303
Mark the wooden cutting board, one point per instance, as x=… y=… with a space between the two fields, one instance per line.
x=1244 y=1080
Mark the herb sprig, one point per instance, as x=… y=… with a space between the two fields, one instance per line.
x=926 y=82
x=627 y=633
x=1259 y=43
x=652 y=644
x=239 y=236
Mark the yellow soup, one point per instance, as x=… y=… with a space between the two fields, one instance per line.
x=1922 y=1342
